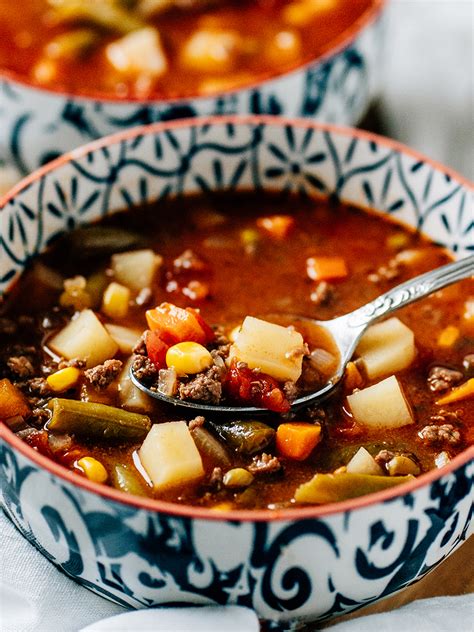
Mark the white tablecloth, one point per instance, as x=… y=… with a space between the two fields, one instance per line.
x=427 y=102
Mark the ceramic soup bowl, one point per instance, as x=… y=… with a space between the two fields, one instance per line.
x=289 y=565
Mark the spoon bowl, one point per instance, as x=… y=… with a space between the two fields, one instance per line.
x=345 y=331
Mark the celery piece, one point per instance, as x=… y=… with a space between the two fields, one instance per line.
x=123 y=478
x=96 y=421
x=210 y=447
x=106 y=14
x=332 y=488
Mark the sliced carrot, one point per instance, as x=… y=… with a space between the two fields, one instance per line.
x=448 y=336
x=458 y=393
x=177 y=325
x=326 y=268
x=279 y=226
x=12 y=401
x=297 y=440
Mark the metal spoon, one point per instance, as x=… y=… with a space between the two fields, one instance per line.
x=346 y=332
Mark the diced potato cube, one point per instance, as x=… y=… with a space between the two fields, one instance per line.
x=170 y=456
x=130 y=396
x=86 y=338
x=138 y=53
x=386 y=347
x=382 y=405
x=211 y=50
x=363 y=463
x=115 y=300
x=125 y=337
x=273 y=349
x=136 y=269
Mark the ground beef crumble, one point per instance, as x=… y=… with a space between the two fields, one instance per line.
x=102 y=375
x=383 y=457
x=39 y=416
x=20 y=367
x=445 y=433
x=441 y=378
x=447 y=416
x=140 y=347
x=264 y=464
x=322 y=294
x=144 y=369
x=291 y=390
x=197 y=422
x=40 y=387
x=205 y=387
x=216 y=478
x=76 y=363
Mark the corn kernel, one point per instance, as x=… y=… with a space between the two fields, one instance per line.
x=188 y=358
x=93 y=469
x=250 y=238
x=63 y=379
x=448 y=336
x=115 y=300
x=397 y=241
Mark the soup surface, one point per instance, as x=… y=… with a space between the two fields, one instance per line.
x=404 y=407
x=168 y=48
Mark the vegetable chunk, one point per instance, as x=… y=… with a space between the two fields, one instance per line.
x=363 y=463
x=296 y=440
x=382 y=405
x=170 y=456
x=96 y=421
x=136 y=269
x=275 y=350
x=332 y=488
x=84 y=337
x=12 y=401
x=138 y=53
x=386 y=348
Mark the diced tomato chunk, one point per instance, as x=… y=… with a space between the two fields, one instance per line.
x=156 y=348
x=255 y=389
x=208 y=331
x=176 y=324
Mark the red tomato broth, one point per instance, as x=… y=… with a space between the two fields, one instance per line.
x=272 y=278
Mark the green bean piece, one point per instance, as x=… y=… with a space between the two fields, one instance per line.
x=245 y=437
x=72 y=45
x=100 y=241
x=105 y=14
x=91 y=420
x=210 y=447
x=123 y=478
x=331 y=488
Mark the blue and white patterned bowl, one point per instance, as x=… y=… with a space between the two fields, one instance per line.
x=37 y=125
x=305 y=564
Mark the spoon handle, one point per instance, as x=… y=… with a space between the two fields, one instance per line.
x=411 y=291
